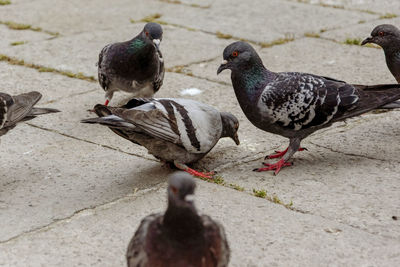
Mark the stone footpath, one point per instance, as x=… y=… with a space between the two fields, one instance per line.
x=73 y=194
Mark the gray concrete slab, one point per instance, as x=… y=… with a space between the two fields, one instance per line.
x=19 y=79
x=273 y=235
x=353 y=190
x=80 y=52
x=66 y=189
x=384 y=6
x=359 y=31
x=264 y=21
x=13 y=37
x=46 y=177
x=70 y=17
x=351 y=63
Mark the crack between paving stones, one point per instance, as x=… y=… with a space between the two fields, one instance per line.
x=90 y=142
x=55 y=222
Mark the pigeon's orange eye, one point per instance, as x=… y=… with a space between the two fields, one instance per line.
x=235 y=54
x=147 y=33
x=381 y=34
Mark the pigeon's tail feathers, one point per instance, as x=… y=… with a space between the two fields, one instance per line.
x=40 y=111
x=392 y=105
x=379 y=95
x=110 y=121
x=102 y=110
x=370 y=98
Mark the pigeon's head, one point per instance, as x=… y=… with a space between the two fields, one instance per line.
x=153 y=32
x=230 y=126
x=239 y=56
x=181 y=188
x=384 y=35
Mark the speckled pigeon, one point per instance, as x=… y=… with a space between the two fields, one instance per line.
x=135 y=66
x=388 y=37
x=18 y=108
x=180 y=237
x=174 y=130
x=293 y=104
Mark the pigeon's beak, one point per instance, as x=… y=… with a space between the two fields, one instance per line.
x=224 y=66
x=236 y=139
x=157 y=42
x=368 y=40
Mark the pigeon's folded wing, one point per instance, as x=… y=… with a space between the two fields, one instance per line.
x=152 y=121
x=300 y=101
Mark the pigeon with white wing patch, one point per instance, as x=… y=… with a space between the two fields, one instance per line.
x=293 y=104
x=174 y=130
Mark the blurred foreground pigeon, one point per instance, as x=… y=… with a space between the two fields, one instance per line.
x=388 y=37
x=180 y=237
x=14 y=109
x=174 y=130
x=135 y=66
x=295 y=105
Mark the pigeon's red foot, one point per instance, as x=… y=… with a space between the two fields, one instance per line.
x=279 y=154
x=207 y=175
x=106 y=103
x=274 y=167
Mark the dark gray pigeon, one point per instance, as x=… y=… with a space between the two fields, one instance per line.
x=180 y=237
x=293 y=104
x=388 y=37
x=174 y=130
x=135 y=66
x=14 y=109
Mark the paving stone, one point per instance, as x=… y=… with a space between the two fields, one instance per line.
x=356 y=191
x=269 y=21
x=351 y=63
x=49 y=177
x=273 y=235
x=80 y=52
x=70 y=17
x=366 y=5
x=359 y=31
x=12 y=36
x=19 y=79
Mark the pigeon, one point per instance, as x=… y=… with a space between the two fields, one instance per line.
x=135 y=66
x=293 y=104
x=388 y=37
x=174 y=130
x=180 y=237
x=18 y=108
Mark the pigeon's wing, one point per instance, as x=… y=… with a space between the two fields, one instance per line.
x=22 y=107
x=136 y=255
x=300 y=101
x=195 y=126
x=160 y=75
x=5 y=103
x=218 y=248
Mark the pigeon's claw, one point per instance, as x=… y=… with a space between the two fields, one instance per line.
x=185 y=168
x=106 y=103
x=274 y=167
x=279 y=154
x=199 y=174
